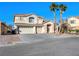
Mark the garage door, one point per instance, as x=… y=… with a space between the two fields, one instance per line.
x=26 y=30
x=39 y=29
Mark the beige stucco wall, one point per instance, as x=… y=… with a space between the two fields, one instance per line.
x=44 y=29
x=41 y=30
x=74 y=25
x=25 y=19
x=39 y=20
x=76 y=21
x=51 y=27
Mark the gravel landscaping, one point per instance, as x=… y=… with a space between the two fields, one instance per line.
x=30 y=38
x=8 y=39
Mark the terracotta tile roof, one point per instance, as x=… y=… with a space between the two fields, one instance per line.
x=23 y=15
x=77 y=17
x=45 y=21
x=27 y=15
x=39 y=17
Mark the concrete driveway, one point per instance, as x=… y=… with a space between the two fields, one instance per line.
x=43 y=45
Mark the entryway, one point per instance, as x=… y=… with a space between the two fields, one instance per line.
x=48 y=28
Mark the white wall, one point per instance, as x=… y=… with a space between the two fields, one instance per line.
x=26 y=19
x=76 y=21
x=51 y=27
x=40 y=21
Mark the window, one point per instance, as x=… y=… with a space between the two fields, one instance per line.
x=72 y=21
x=31 y=19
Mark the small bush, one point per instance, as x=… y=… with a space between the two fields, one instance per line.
x=77 y=31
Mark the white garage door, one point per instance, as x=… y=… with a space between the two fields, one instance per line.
x=39 y=29
x=26 y=30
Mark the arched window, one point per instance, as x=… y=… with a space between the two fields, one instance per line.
x=31 y=19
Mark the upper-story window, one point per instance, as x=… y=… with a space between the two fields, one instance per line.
x=72 y=21
x=31 y=19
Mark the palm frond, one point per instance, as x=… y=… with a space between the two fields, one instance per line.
x=63 y=7
x=53 y=7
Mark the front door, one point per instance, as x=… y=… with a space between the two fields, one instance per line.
x=48 y=28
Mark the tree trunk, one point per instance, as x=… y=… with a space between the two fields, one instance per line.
x=60 y=17
x=54 y=21
x=60 y=20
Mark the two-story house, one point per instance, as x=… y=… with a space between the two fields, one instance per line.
x=74 y=22
x=32 y=24
x=4 y=28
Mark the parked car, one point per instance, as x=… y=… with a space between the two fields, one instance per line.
x=13 y=31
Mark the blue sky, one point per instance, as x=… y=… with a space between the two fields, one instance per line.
x=9 y=9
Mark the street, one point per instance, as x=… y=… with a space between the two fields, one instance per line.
x=43 y=45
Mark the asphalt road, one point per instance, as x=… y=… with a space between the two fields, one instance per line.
x=43 y=45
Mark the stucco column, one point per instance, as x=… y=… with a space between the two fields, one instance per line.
x=45 y=29
x=52 y=28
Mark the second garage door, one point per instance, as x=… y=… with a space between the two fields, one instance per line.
x=26 y=30
x=39 y=29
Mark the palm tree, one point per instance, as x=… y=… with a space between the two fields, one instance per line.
x=53 y=8
x=62 y=9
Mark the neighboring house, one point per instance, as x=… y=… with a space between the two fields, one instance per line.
x=32 y=24
x=3 y=28
x=74 y=22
